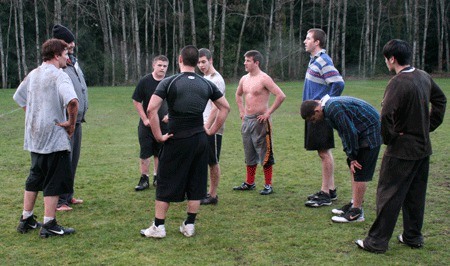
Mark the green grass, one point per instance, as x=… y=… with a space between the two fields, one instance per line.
x=243 y=229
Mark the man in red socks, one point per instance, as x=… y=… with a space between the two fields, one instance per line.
x=252 y=98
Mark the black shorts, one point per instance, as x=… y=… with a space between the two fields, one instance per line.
x=50 y=173
x=215 y=146
x=318 y=136
x=149 y=146
x=183 y=169
x=367 y=158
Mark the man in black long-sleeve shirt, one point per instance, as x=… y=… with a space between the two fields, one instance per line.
x=406 y=121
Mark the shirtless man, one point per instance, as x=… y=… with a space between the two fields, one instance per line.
x=252 y=98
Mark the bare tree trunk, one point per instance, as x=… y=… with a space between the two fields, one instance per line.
x=415 y=55
x=36 y=26
x=216 y=10
x=222 y=35
x=238 y=51
x=174 y=37
x=344 y=34
x=269 y=38
x=22 y=37
x=300 y=36
x=210 y=23
x=425 y=31
x=181 y=40
x=337 y=33
x=134 y=14
x=192 y=14
x=367 y=39
x=124 y=41
x=330 y=7
x=58 y=13
x=146 y=36
x=104 y=26
x=377 y=37
x=2 y=59
x=361 y=46
x=440 y=20
x=279 y=27
x=111 y=45
x=166 y=32
x=444 y=35
x=291 y=62
x=16 y=34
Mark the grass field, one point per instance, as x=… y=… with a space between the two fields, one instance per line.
x=245 y=228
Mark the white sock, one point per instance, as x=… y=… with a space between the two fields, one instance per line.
x=48 y=219
x=26 y=214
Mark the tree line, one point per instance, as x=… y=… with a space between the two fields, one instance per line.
x=116 y=40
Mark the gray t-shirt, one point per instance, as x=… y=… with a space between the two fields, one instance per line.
x=45 y=93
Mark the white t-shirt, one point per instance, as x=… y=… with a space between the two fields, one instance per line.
x=45 y=92
x=217 y=79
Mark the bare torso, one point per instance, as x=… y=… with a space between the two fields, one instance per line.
x=256 y=95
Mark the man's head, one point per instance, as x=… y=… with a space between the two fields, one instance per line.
x=204 y=60
x=315 y=40
x=253 y=59
x=189 y=55
x=397 y=50
x=311 y=110
x=160 y=63
x=55 y=49
x=63 y=33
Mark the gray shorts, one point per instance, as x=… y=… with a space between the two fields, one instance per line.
x=257 y=140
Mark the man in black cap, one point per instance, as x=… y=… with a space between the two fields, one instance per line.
x=76 y=75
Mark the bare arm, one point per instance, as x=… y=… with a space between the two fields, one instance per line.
x=239 y=101
x=212 y=116
x=270 y=85
x=72 y=111
x=223 y=109
x=141 y=112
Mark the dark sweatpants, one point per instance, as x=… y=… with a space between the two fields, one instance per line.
x=402 y=185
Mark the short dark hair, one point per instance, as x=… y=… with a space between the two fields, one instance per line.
x=307 y=108
x=256 y=55
x=52 y=47
x=319 y=35
x=160 y=58
x=205 y=52
x=189 y=54
x=400 y=50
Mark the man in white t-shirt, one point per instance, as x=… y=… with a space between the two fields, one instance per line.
x=51 y=106
x=205 y=64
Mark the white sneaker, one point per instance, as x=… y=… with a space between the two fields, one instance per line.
x=154 y=231
x=187 y=229
x=353 y=215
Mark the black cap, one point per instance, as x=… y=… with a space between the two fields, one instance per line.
x=63 y=33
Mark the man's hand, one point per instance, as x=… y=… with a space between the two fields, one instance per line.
x=354 y=164
x=70 y=128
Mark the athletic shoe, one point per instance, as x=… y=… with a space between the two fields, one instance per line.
x=245 y=186
x=360 y=244
x=400 y=239
x=352 y=215
x=333 y=194
x=343 y=209
x=28 y=224
x=63 y=208
x=187 y=229
x=209 y=200
x=267 y=190
x=154 y=181
x=321 y=199
x=52 y=228
x=76 y=201
x=143 y=183
x=154 y=231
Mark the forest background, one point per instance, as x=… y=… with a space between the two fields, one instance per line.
x=116 y=40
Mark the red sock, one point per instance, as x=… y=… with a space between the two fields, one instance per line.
x=251 y=172
x=268 y=174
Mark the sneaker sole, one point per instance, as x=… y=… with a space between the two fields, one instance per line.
x=338 y=219
x=316 y=205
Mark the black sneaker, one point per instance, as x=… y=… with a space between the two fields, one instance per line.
x=52 y=228
x=352 y=215
x=343 y=209
x=267 y=190
x=209 y=200
x=28 y=224
x=321 y=199
x=143 y=183
x=245 y=186
x=154 y=180
x=333 y=194
x=400 y=239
